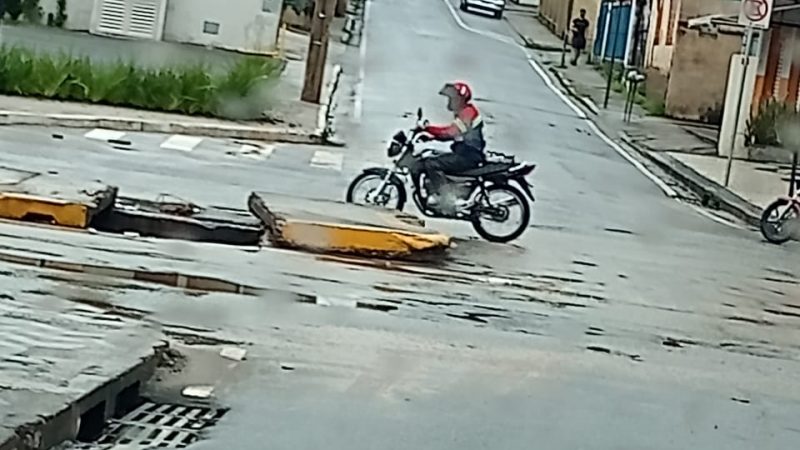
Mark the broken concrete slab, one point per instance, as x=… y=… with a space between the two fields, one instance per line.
x=49 y=197
x=336 y=227
x=174 y=220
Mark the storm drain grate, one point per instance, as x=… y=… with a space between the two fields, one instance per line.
x=155 y=425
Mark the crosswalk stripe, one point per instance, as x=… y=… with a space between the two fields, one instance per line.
x=101 y=134
x=327 y=160
x=181 y=142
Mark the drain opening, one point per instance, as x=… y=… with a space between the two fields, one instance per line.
x=92 y=423
x=170 y=220
x=127 y=400
x=157 y=425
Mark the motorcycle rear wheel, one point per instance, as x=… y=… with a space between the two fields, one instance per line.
x=518 y=198
x=354 y=194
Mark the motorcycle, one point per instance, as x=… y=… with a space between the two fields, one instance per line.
x=486 y=193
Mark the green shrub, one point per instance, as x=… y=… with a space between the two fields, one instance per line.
x=186 y=89
x=762 y=128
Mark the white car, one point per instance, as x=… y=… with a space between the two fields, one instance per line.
x=494 y=7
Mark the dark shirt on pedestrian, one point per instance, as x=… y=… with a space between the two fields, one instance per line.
x=579 y=27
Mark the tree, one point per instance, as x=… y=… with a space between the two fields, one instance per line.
x=14 y=9
x=32 y=11
x=61 y=13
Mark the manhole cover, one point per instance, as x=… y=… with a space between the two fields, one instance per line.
x=155 y=425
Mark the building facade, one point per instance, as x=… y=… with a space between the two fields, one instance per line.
x=554 y=14
x=249 y=26
x=687 y=66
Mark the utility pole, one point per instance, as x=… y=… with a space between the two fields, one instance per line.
x=570 y=6
x=318 y=50
x=748 y=42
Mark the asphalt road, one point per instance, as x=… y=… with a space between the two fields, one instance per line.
x=621 y=319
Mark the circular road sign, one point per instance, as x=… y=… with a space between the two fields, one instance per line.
x=756 y=10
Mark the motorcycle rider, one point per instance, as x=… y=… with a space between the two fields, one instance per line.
x=466 y=133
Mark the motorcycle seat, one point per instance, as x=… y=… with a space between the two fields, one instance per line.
x=486 y=169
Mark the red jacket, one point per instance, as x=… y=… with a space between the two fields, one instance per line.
x=467 y=128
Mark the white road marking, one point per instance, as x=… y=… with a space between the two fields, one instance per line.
x=358 y=100
x=327 y=160
x=712 y=216
x=101 y=134
x=181 y=142
x=579 y=112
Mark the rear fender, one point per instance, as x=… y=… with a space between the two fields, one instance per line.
x=526 y=187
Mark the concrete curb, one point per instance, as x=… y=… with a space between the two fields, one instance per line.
x=566 y=84
x=712 y=194
x=252 y=132
x=345 y=228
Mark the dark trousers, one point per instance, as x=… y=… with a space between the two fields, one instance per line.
x=460 y=159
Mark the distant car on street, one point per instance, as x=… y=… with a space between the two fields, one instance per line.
x=494 y=7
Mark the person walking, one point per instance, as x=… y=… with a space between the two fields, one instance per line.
x=579 y=27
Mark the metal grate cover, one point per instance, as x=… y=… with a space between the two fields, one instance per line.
x=155 y=425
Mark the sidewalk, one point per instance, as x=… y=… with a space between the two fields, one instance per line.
x=287 y=119
x=685 y=151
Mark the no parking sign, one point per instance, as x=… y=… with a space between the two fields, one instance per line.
x=756 y=13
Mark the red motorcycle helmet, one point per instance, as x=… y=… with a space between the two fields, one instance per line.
x=456 y=92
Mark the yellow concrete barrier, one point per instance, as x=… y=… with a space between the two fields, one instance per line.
x=334 y=227
x=49 y=198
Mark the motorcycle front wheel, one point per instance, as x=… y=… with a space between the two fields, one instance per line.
x=777 y=220
x=499 y=205
x=363 y=190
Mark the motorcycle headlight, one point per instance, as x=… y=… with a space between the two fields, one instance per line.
x=394 y=149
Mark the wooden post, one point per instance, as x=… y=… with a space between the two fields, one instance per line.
x=317 y=50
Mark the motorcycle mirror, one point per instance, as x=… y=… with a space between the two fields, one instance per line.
x=419 y=113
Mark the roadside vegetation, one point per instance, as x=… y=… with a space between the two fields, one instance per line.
x=237 y=93
x=772 y=117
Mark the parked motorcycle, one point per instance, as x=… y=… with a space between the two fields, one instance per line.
x=779 y=221
x=488 y=195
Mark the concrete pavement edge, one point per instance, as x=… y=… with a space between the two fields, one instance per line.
x=712 y=194
x=8 y=118
x=529 y=42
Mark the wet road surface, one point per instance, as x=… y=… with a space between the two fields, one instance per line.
x=621 y=319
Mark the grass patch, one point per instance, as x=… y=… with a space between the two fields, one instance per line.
x=237 y=93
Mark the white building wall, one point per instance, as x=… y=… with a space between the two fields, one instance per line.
x=242 y=25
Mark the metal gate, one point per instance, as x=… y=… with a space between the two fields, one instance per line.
x=611 y=32
x=142 y=19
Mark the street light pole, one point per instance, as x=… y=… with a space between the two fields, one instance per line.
x=748 y=40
